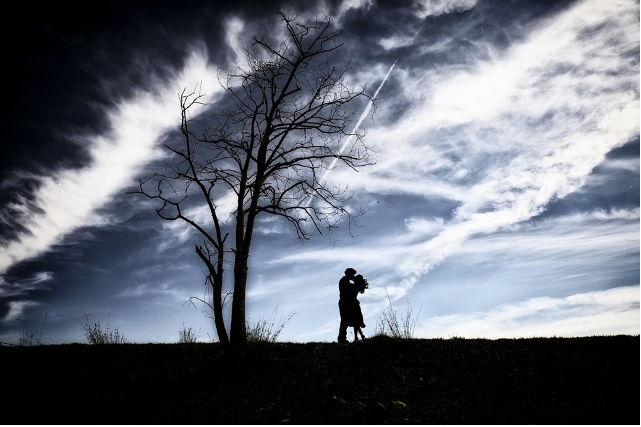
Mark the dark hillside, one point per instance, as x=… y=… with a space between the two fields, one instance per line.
x=591 y=380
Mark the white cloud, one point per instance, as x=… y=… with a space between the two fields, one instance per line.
x=180 y=231
x=629 y=165
x=610 y=312
x=164 y=293
x=591 y=237
x=422 y=226
x=439 y=7
x=234 y=31
x=353 y=4
x=601 y=215
x=394 y=42
x=69 y=199
x=43 y=276
x=343 y=8
x=17 y=309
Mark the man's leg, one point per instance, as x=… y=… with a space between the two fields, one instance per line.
x=342 y=330
x=342 y=333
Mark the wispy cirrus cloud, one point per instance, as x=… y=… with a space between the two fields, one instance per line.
x=17 y=310
x=21 y=287
x=548 y=238
x=524 y=128
x=14 y=295
x=613 y=311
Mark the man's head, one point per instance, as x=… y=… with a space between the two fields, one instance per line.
x=350 y=272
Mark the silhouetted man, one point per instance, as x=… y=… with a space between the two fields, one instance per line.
x=346 y=302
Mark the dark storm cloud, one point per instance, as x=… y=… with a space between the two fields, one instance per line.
x=71 y=63
x=71 y=49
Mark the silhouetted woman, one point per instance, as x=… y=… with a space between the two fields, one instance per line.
x=361 y=284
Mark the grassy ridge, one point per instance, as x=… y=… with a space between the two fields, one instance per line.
x=591 y=380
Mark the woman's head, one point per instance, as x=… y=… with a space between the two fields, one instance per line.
x=361 y=283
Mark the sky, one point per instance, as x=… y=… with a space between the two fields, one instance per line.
x=504 y=202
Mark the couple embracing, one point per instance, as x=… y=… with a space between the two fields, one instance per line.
x=349 y=306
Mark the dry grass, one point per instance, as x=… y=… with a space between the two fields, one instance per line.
x=379 y=381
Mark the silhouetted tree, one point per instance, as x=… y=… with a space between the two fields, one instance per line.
x=289 y=111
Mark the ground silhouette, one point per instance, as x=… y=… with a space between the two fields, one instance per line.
x=593 y=380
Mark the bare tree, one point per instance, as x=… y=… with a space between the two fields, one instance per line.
x=289 y=109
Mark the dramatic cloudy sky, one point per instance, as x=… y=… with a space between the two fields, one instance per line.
x=504 y=201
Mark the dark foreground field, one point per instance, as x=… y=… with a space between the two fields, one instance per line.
x=380 y=381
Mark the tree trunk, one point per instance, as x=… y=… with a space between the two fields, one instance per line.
x=216 y=280
x=238 y=330
x=219 y=321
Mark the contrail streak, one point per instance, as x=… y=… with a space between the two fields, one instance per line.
x=351 y=136
x=360 y=120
